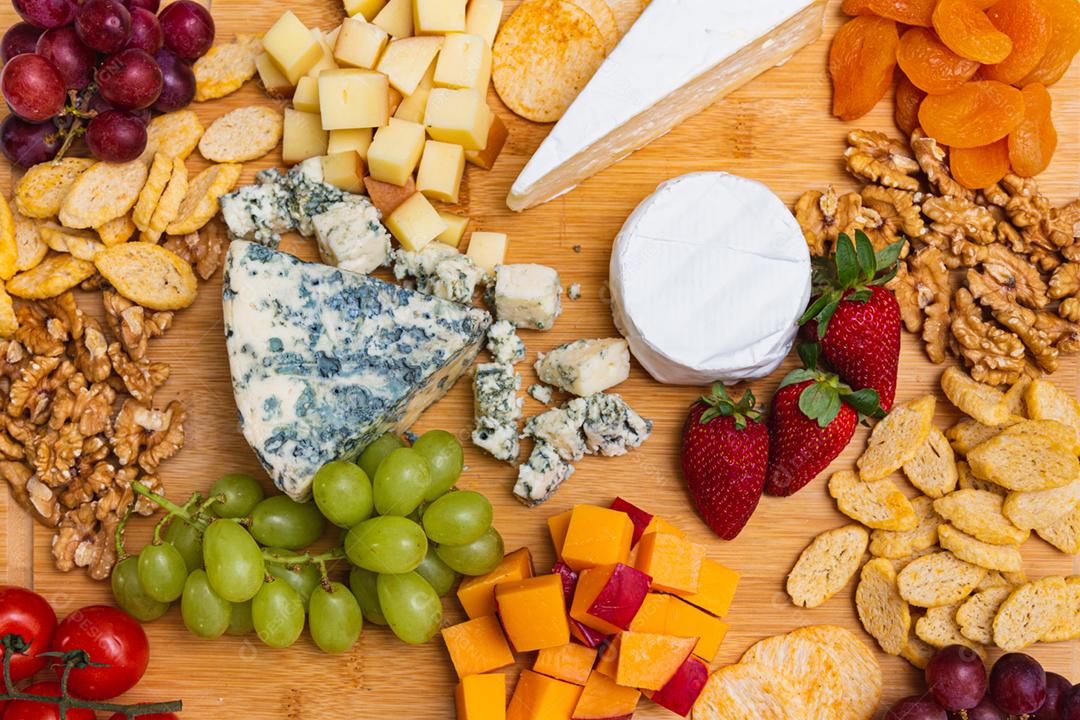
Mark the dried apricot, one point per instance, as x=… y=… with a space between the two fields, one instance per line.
x=908 y=100
x=930 y=65
x=976 y=113
x=980 y=167
x=968 y=32
x=1064 y=42
x=1033 y=142
x=1027 y=23
x=861 y=62
x=908 y=12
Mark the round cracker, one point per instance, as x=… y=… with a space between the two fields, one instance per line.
x=243 y=134
x=544 y=55
x=604 y=17
x=748 y=690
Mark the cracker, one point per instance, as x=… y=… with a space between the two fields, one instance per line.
x=975 y=616
x=176 y=134
x=200 y=202
x=116 y=231
x=30 y=248
x=933 y=469
x=40 y=192
x=938 y=579
x=168 y=207
x=1023 y=462
x=938 y=628
x=883 y=613
x=1067 y=626
x=826 y=565
x=226 y=67
x=878 y=505
x=156 y=180
x=1030 y=612
x=1014 y=396
x=1046 y=401
x=604 y=17
x=1041 y=508
x=104 y=192
x=148 y=275
x=968 y=481
x=897 y=438
x=9 y=250
x=1052 y=430
x=9 y=322
x=979 y=513
x=545 y=53
x=899 y=544
x=966 y=434
x=995 y=579
x=746 y=690
x=901 y=563
x=80 y=243
x=1005 y=558
x=917 y=651
x=244 y=134
x=984 y=403
x=1064 y=534
x=53 y=276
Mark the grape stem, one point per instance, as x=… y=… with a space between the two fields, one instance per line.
x=305 y=558
x=78 y=109
x=173 y=510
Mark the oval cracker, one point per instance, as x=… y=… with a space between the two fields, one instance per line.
x=826 y=565
x=148 y=275
x=200 y=202
x=243 y=134
x=104 y=192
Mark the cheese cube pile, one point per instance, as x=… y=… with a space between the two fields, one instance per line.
x=631 y=607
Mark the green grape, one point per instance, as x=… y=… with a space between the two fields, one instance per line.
x=401 y=482
x=412 y=608
x=278 y=614
x=445 y=458
x=162 y=572
x=206 y=614
x=234 y=563
x=437 y=573
x=187 y=540
x=335 y=619
x=303 y=578
x=362 y=584
x=280 y=521
x=457 y=518
x=377 y=451
x=240 y=622
x=387 y=544
x=242 y=493
x=130 y=595
x=479 y=557
x=343 y=493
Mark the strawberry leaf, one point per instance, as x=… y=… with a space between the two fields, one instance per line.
x=847 y=263
x=820 y=402
x=720 y=404
x=889 y=254
x=815 y=308
x=861 y=295
x=825 y=317
x=797 y=376
x=887 y=277
x=809 y=353
x=865 y=402
x=864 y=250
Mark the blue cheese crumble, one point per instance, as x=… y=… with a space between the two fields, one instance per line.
x=540 y=476
x=439 y=270
x=503 y=343
x=540 y=393
x=351 y=237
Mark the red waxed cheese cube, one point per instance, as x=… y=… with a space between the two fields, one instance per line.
x=602 y=699
x=608 y=597
x=639 y=517
x=583 y=634
x=607 y=661
x=649 y=661
x=682 y=690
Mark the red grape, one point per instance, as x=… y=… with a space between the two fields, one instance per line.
x=1018 y=684
x=1057 y=688
x=189 y=29
x=916 y=708
x=151 y=5
x=32 y=87
x=957 y=677
x=145 y=31
x=1069 y=708
x=46 y=13
x=103 y=25
x=130 y=79
x=20 y=38
x=178 y=86
x=985 y=710
x=73 y=60
x=25 y=144
x=116 y=136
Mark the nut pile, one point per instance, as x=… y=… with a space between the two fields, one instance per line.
x=1012 y=306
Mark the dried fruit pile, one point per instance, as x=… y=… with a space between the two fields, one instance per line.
x=973 y=75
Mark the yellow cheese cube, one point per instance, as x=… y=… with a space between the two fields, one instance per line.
x=344 y=170
x=483 y=18
x=497 y=136
x=303 y=137
x=464 y=62
x=395 y=151
x=415 y=223
x=455 y=229
x=441 y=168
x=292 y=47
x=345 y=140
x=273 y=80
x=306 y=96
x=396 y=18
x=332 y=36
x=438 y=17
x=487 y=249
x=326 y=60
x=413 y=107
x=393 y=99
x=352 y=98
x=359 y=44
x=405 y=61
x=366 y=9
x=458 y=116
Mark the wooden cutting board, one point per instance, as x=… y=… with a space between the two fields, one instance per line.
x=777 y=130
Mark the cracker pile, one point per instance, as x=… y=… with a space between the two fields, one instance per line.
x=946 y=565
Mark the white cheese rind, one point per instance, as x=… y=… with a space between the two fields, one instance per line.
x=709 y=276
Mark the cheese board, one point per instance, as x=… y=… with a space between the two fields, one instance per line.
x=776 y=130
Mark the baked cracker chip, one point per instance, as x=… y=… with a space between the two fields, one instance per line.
x=979 y=513
x=9 y=323
x=1024 y=462
x=994 y=579
x=30 y=248
x=200 y=203
x=604 y=17
x=938 y=628
x=1064 y=534
x=40 y=192
x=148 y=275
x=176 y=133
x=1005 y=558
x=976 y=615
x=966 y=434
x=878 y=505
x=744 y=690
x=104 y=192
x=933 y=469
x=1041 y=508
x=900 y=563
x=116 y=231
x=168 y=206
x=53 y=276
x=917 y=651
x=160 y=172
x=938 y=579
x=1052 y=430
x=1014 y=396
x=243 y=134
x=1030 y=612
x=83 y=244
x=899 y=544
x=826 y=565
x=225 y=67
x=1068 y=623
x=9 y=250
x=897 y=438
x=1046 y=401
x=883 y=613
x=968 y=481
x=984 y=403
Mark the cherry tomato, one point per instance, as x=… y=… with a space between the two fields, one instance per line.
x=152 y=716
x=31 y=710
x=108 y=636
x=24 y=612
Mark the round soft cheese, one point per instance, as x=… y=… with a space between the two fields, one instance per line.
x=709 y=276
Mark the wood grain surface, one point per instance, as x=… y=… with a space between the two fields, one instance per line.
x=777 y=130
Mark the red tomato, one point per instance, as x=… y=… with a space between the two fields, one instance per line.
x=152 y=716
x=31 y=710
x=24 y=612
x=108 y=636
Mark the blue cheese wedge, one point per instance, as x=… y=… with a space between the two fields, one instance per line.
x=612 y=427
x=500 y=440
x=504 y=345
x=325 y=361
x=561 y=429
x=585 y=367
x=439 y=270
x=527 y=295
x=351 y=237
x=541 y=475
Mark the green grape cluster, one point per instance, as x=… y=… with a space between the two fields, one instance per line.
x=237 y=563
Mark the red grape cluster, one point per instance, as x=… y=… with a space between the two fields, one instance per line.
x=96 y=68
x=1017 y=687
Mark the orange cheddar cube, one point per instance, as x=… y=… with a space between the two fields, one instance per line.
x=538 y=697
x=481 y=697
x=477 y=646
x=477 y=594
x=647 y=660
x=716 y=588
x=659 y=524
x=673 y=563
x=557 y=526
x=533 y=612
x=685 y=620
x=652 y=616
x=597 y=536
x=571 y=663
x=608 y=597
x=607 y=661
x=602 y=699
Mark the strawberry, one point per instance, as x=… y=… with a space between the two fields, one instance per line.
x=855 y=318
x=724 y=454
x=813 y=419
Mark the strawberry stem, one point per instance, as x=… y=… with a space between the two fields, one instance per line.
x=721 y=405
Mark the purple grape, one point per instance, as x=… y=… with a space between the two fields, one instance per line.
x=130 y=79
x=25 y=144
x=73 y=60
x=1069 y=709
x=1018 y=684
x=957 y=677
x=116 y=136
x=100 y=105
x=178 y=86
x=32 y=87
x=1056 y=688
x=151 y=5
x=189 y=29
x=145 y=31
x=916 y=708
x=19 y=39
x=46 y=13
x=103 y=25
x=985 y=710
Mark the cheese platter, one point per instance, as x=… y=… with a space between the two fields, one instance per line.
x=354 y=282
